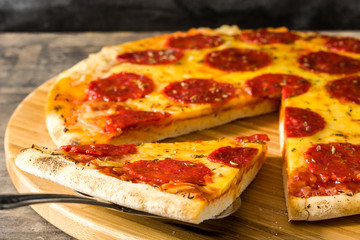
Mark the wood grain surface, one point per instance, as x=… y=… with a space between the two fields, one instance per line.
x=262 y=215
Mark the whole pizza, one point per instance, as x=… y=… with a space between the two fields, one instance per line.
x=170 y=85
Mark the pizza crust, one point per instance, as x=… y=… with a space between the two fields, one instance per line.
x=323 y=207
x=53 y=166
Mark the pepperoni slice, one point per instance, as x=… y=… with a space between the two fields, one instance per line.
x=270 y=85
x=345 y=44
x=334 y=161
x=169 y=170
x=199 y=91
x=152 y=57
x=101 y=149
x=263 y=36
x=259 y=138
x=120 y=87
x=236 y=59
x=198 y=41
x=331 y=63
x=238 y=157
x=302 y=123
x=129 y=118
x=345 y=89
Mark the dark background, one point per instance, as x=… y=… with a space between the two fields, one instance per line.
x=168 y=15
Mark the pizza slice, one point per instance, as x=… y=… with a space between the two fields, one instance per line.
x=320 y=141
x=187 y=181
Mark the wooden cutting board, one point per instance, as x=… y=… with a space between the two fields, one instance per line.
x=262 y=215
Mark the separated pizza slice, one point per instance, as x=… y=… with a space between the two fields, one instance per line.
x=187 y=181
x=321 y=149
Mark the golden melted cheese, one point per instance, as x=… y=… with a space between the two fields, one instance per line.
x=342 y=120
x=223 y=176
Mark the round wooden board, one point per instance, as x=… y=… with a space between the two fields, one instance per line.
x=262 y=215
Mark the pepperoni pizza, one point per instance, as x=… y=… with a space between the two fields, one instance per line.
x=187 y=181
x=177 y=83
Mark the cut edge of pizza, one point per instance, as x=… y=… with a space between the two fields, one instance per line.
x=186 y=181
x=320 y=146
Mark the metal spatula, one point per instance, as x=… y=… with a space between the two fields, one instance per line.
x=18 y=200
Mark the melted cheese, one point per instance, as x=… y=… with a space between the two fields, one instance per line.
x=223 y=176
x=342 y=121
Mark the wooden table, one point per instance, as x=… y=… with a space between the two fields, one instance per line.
x=29 y=60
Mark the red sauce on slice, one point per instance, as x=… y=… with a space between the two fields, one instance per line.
x=263 y=36
x=169 y=170
x=238 y=157
x=345 y=89
x=302 y=183
x=198 y=41
x=129 y=118
x=331 y=63
x=261 y=138
x=100 y=149
x=201 y=91
x=334 y=161
x=345 y=44
x=152 y=57
x=301 y=122
x=270 y=85
x=332 y=168
x=120 y=87
x=236 y=59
